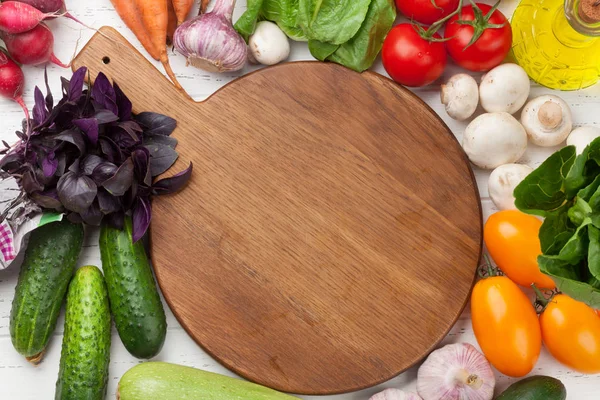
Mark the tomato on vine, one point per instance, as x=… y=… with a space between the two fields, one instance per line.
x=479 y=37
x=426 y=11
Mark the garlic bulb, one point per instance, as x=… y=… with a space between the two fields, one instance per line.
x=456 y=372
x=210 y=42
x=395 y=394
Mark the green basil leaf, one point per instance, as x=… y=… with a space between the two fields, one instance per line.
x=360 y=52
x=246 y=24
x=332 y=21
x=544 y=189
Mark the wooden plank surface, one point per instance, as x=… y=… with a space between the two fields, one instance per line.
x=22 y=381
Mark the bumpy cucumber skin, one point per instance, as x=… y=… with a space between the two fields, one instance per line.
x=83 y=373
x=134 y=299
x=164 y=381
x=50 y=260
x=535 y=388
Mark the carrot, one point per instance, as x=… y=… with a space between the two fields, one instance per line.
x=182 y=9
x=129 y=13
x=172 y=25
x=203 y=6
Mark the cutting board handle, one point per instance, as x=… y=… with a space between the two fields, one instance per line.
x=109 y=52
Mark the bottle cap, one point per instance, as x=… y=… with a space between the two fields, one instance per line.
x=589 y=11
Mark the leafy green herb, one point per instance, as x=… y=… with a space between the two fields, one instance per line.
x=565 y=190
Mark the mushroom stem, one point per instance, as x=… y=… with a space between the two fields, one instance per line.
x=471 y=380
x=550 y=115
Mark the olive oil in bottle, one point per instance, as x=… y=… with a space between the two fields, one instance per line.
x=558 y=42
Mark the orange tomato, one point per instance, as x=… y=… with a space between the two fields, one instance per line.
x=511 y=238
x=571 y=332
x=506 y=326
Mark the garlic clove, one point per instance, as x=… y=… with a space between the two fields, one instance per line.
x=456 y=372
x=395 y=394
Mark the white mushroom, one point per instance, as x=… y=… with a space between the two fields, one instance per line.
x=268 y=45
x=493 y=139
x=460 y=95
x=581 y=137
x=503 y=181
x=547 y=120
x=504 y=89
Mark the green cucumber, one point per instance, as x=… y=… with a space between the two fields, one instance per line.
x=83 y=372
x=164 y=381
x=134 y=299
x=49 y=263
x=535 y=388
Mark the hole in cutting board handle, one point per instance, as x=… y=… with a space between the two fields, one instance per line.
x=106 y=60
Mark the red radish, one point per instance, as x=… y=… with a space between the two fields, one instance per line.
x=51 y=6
x=32 y=48
x=18 y=17
x=12 y=81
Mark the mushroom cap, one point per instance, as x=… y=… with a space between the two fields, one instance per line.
x=460 y=95
x=581 y=137
x=268 y=44
x=503 y=181
x=547 y=120
x=504 y=89
x=494 y=139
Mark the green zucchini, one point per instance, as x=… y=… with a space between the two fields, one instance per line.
x=535 y=388
x=47 y=268
x=134 y=299
x=164 y=381
x=83 y=372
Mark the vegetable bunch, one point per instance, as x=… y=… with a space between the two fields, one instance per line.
x=348 y=32
x=565 y=190
x=90 y=157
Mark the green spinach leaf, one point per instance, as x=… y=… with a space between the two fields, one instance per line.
x=587 y=192
x=544 y=189
x=332 y=21
x=569 y=282
x=556 y=231
x=360 y=52
x=594 y=251
x=579 y=212
x=575 y=250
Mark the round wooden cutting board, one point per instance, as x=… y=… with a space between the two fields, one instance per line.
x=330 y=234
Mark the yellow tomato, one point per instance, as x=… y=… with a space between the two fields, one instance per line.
x=511 y=238
x=571 y=332
x=506 y=326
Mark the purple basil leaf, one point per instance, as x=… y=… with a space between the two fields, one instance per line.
x=111 y=151
x=132 y=128
x=75 y=89
x=75 y=218
x=162 y=157
x=30 y=183
x=92 y=216
x=141 y=165
x=49 y=98
x=105 y=117
x=39 y=109
x=156 y=124
x=104 y=94
x=75 y=167
x=48 y=199
x=116 y=220
x=150 y=139
x=10 y=161
x=103 y=171
x=76 y=192
x=89 y=126
x=49 y=164
x=62 y=164
x=89 y=163
x=174 y=183
x=73 y=136
x=64 y=84
x=121 y=181
x=123 y=104
x=107 y=202
x=141 y=215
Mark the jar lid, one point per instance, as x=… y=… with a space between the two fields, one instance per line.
x=589 y=11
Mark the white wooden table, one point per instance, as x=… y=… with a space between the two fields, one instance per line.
x=21 y=381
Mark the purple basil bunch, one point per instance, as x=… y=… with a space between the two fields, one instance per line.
x=92 y=158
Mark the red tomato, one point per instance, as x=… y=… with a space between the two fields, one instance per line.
x=426 y=11
x=410 y=59
x=491 y=47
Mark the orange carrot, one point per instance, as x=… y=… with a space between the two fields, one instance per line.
x=130 y=14
x=172 y=24
x=155 y=18
x=182 y=9
x=203 y=6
